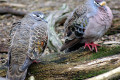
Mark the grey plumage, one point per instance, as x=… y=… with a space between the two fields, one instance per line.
x=88 y=22
x=29 y=39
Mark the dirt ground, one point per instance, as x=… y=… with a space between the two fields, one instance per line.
x=47 y=6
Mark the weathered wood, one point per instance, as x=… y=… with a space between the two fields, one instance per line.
x=5 y=4
x=68 y=71
x=54 y=18
x=8 y=10
x=111 y=42
x=107 y=76
x=67 y=66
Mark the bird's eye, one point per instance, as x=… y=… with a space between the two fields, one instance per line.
x=37 y=15
x=96 y=2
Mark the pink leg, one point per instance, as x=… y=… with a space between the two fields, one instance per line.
x=36 y=61
x=94 y=46
x=88 y=45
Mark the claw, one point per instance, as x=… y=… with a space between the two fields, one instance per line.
x=88 y=45
x=94 y=46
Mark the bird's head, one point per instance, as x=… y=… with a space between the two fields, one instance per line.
x=100 y=3
x=37 y=15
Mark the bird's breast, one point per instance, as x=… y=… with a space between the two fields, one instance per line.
x=98 y=24
x=104 y=17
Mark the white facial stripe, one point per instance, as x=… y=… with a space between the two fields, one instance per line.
x=33 y=14
x=96 y=3
x=41 y=15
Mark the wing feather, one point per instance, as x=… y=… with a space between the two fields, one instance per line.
x=75 y=27
x=38 y=40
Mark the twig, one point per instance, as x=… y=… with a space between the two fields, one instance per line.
x=111 y=42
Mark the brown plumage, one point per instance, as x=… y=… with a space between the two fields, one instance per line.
x=29 y=39
x=87 y=23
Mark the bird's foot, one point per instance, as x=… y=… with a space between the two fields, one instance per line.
x=34 y=61
x=94 y=46
x=88 y=45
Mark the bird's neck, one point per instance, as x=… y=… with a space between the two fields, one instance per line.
x=89 y=1
x=28 y=20
x=91 y=4
x=92 y=8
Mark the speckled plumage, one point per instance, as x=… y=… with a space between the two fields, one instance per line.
x=29 y=39
x=87 y=23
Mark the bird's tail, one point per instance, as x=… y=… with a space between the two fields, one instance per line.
x=14 y=73
x=72 y=45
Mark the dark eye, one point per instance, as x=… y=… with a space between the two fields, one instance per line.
x=37 y=15
x=97 y=2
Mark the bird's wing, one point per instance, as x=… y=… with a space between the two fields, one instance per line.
x=38 y=40
x=75 y=26
x=15 y=26
x=14 y=63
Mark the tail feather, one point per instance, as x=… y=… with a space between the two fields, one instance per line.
x=72 y=45
x=17 y=66
x=75 y=47
x=69 y=43
x=14 y=73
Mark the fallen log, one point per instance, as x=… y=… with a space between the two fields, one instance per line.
x=72 y=66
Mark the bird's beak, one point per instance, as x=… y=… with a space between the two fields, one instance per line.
x=103 y=3
x=44 y=20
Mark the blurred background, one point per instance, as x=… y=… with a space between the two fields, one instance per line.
x=21 y=7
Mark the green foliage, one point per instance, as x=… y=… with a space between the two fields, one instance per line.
x=84 y=75
x=103 y=51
